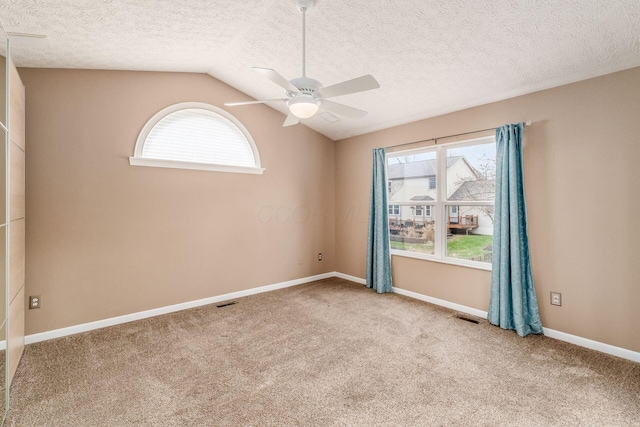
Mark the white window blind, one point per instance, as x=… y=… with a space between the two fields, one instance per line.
x=196 y=136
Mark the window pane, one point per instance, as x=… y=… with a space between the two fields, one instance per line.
x=412 y=180
x=410 y=176
x=414 y=235
x=200 y=136
x=470 y=232
x=471 y=172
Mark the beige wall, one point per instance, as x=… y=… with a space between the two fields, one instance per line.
x=582 y=169
x=105 y=238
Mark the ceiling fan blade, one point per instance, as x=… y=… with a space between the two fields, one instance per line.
x=233 y=104
x=343 y=110
x=290 y=121
x=277 y=78
x=359 y=84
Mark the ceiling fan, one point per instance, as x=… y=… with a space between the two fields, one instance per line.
x=306 y=96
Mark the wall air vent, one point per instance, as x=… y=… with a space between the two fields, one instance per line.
x=331 y=118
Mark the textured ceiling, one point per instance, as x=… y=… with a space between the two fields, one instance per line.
x=430 y=56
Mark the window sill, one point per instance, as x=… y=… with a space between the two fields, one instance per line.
x=450 y=261
x=174 y=164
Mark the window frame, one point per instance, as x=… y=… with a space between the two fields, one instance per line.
x=395 y=208
x=439 y=207
x=139 y=160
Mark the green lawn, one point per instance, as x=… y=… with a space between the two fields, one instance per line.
x=468 y=247
x=458 y=246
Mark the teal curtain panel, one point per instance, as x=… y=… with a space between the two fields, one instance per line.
x=378 y=250
x=513 y=303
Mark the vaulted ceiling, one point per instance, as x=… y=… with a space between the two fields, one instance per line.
x=429 y=56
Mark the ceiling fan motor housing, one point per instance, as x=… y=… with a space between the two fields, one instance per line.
x=306 y=86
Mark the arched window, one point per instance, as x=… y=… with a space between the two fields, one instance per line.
x=195 y=135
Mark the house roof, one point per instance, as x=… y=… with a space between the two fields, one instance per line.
x=482 y=189
x=420 y=169
x=421 y=198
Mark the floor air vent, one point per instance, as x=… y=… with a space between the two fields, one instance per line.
x=467 y=318
x=226 y=304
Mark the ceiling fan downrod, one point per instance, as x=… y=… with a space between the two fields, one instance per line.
x=303 y=7
x=304 y=41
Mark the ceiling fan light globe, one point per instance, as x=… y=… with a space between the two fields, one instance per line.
x=304 y=107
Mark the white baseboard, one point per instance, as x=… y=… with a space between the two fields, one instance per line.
x=350 y=278
x=76 y=329
x=593 y=345
x=441 y=302
x=551 y=333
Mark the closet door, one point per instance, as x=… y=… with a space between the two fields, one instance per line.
x=4 y=141
x=16 y=220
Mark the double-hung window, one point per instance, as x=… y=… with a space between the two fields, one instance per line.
x=444 y=199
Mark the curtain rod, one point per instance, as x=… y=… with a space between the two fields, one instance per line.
x=527 y=123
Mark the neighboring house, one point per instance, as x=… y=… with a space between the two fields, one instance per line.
x=480 y=189
x=416 y=182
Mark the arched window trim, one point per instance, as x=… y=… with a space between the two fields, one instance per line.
x=139 y=160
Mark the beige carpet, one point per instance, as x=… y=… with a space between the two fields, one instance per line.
x=329 y=353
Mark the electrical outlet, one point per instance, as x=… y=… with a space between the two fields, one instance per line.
x=556 y=298
x=34 y=302
x=320 y=256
